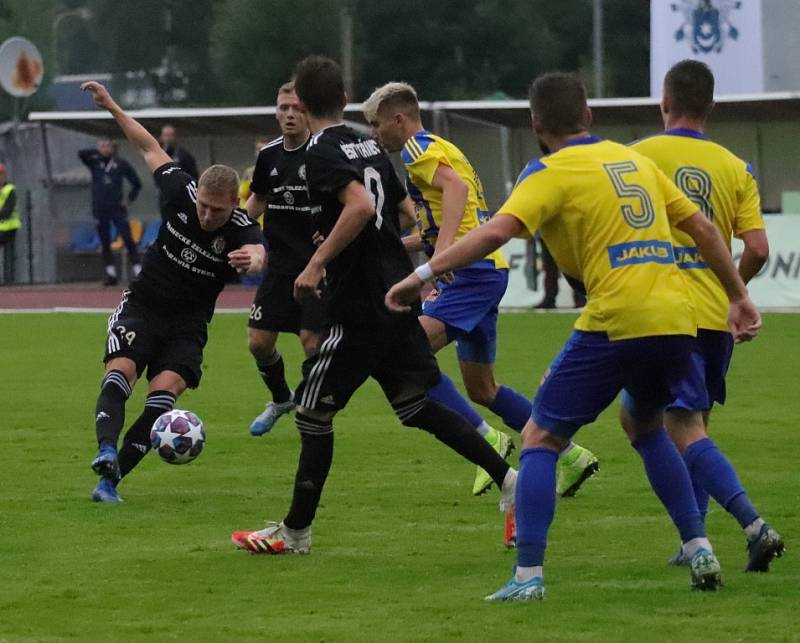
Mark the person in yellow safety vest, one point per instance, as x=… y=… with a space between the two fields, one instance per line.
x=247 y=175
x=9 y=222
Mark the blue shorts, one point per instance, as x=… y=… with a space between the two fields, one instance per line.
x=704 y=381
x=591 y=370
x=468 y=308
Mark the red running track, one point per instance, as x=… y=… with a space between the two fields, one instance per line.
x=72 y=296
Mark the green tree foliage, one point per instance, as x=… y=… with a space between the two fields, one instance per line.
x=453 y=49
x=627 y=46
x=255 y=44
x=239 y=51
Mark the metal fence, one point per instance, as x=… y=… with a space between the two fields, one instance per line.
x=54 y=191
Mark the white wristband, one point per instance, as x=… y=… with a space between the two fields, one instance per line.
x=424 y=272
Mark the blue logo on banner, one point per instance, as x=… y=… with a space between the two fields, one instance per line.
x=706 y=23
x=633 y=252
x=688 y=258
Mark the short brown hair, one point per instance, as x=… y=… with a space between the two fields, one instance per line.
x=690 y=87
x=559 y=102
x=319 y=84
x=400 y=97
x=221 y=179
x=286 y=88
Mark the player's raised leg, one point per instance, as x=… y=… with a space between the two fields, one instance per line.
x=164 y=390
x=446 y=393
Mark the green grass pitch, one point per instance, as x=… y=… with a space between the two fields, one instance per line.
x=401 y=549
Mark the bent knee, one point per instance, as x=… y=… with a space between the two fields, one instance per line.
x=685 y=427
x=535 y=437
x=261 y=344
x=309 y=342
x=408 y=411
x=310 y=422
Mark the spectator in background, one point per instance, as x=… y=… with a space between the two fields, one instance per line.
x=9 y=224
x=247 y=175
x=179 y=155
x=108 y=202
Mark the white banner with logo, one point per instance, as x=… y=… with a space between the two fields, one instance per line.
x=778 y=283
x=776 y=286
x=724 y=34
x=522 y=279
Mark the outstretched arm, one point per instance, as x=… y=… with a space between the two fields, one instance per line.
x=148 y=146
x=472 y=247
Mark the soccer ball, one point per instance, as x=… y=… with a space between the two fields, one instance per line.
x=178 y=436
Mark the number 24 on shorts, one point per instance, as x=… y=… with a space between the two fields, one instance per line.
x=127 y=335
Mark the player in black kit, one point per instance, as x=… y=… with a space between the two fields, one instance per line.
x=279 y=192
x=354 y=183
x=162 y=320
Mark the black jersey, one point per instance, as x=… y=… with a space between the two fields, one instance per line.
x=358 y=279
x=280 y=176
x=187 y=267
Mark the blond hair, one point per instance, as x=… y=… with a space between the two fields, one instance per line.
x=399 y=96
x=221 y=179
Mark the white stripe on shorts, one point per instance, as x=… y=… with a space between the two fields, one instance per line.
x=317 y=375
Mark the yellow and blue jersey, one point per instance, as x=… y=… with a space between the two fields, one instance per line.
x=422 y=155
x=723 y=187
x=605 y=211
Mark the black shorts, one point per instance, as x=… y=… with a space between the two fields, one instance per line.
x=156 y=340
x=397 y=355
x=274 y=307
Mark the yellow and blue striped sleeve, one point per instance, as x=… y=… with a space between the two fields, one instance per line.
x=535 y=199
x=422 y=156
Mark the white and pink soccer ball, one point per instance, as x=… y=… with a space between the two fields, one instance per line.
x=178 y=436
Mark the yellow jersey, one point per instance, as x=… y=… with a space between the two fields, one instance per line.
x=723 y=188
x=604 y=212
x=244 y=186
x=422 y=155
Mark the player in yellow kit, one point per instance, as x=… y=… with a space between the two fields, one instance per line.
x=724 y=189
x=449 y=202
x=605 y=212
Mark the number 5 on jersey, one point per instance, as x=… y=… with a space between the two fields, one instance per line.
x=616 y=172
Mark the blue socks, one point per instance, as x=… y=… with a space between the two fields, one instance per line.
x=670 y=480
x=536 y=504
x=700 y=493
x=446 y=393
x=512 y=407
x=711 y=470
